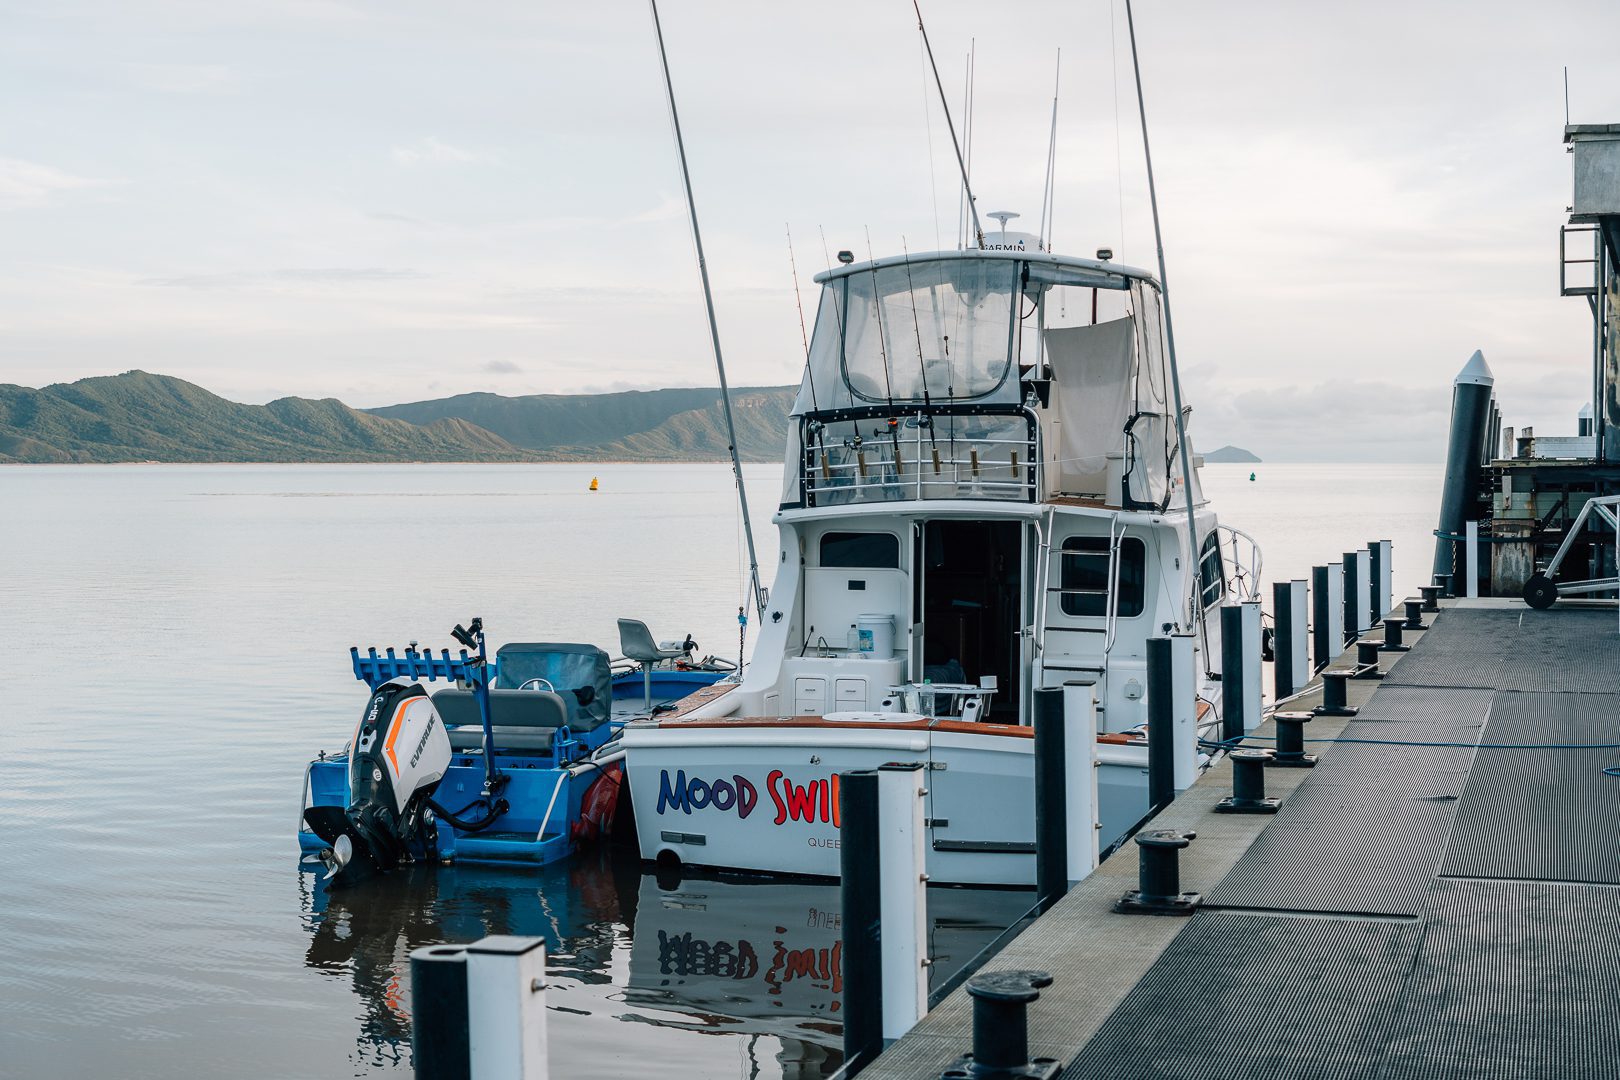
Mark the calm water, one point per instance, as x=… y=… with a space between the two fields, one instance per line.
x=175 y=642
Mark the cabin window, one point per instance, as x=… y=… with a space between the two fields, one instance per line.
x=1211 y=571
x=880 y=551
x=1084 y=578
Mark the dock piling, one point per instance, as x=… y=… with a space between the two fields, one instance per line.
x=1357 y=595
x=1241 y=703
x=1290 y=618
x=860 y=887
x=1001 y=1001
x=439 y=1034
x=1051 y=799
x=1327 y=614
x=1382 y=552
x=506 y=1008
x=1159 y=876
x=1161 y=712
x=883 y=894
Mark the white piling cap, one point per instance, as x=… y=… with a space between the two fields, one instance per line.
x=1475 y=373
x=1585 y=413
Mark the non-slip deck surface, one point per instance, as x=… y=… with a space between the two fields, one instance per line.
x=1418 y=911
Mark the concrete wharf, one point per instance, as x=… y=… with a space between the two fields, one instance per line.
x=1439 y=898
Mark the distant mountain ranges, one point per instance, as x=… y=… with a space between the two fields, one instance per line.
x=138 y=416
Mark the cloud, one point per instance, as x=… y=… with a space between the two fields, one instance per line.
x=28 y=183
x=434 y=151
x=181 y=78
x=322 y=275
x=502 y=367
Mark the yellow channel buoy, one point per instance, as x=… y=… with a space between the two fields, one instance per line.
x=593 y=483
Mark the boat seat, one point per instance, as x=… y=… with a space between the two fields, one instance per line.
x=521 y=719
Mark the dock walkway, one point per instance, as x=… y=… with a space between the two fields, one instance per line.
x=1428 y=902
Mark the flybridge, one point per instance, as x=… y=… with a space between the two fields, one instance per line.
x=986 y=374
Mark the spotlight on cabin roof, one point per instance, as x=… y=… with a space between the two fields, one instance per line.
x=846 y=257
x=1104 y=254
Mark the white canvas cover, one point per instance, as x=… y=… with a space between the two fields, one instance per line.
x=1090 y=402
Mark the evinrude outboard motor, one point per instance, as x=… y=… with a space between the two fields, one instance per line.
x=399 y=754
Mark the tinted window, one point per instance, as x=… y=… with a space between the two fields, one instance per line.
x=870 y=550
x=1084 y=580
x=1211 y=574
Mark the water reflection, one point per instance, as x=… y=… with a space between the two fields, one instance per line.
x=752 y=960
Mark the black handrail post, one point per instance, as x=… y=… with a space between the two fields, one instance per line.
x=1051 y=800
x=860 y=889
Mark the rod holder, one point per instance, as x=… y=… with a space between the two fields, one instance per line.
x=1001 y=1001
x=1431 y=596
x=1392 y=636
x=1367 y=660
x=1159 y=876
x=1291 y=741
x=1248 y=784
x=1335 y=693
x=1414 y=615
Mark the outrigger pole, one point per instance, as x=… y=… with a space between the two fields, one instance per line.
x=961 y=163
x=1170 y=343
x=714 y=328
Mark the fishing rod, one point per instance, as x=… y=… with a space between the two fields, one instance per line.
x=714 y=327
x=922 y=365
x=804 y=335
x=883 y=353
x=1170 y=346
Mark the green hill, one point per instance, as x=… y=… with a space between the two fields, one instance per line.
x=637 y=425
x=137 y=416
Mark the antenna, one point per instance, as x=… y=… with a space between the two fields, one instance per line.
x=1169 y=339
x=714 y=328
x=961 y=162
x=1047 y=195
x=1566 y=95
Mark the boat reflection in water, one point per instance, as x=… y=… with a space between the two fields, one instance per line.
x=636 y=963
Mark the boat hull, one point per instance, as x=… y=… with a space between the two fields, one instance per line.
x=763 y=796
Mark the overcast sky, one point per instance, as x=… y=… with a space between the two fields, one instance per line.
x=390 y=201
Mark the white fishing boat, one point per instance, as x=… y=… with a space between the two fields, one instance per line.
x=985 y=494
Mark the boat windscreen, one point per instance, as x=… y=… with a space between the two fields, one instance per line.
x=936 y=330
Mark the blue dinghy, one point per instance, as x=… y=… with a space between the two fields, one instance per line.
x=514 y=761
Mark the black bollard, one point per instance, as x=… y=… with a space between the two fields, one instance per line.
x=1291 y=740
x=1414 y=615
x=1392 y=636
x=1367 y=660
x=859 y=891
x=1248 y=784
x=1001 y=1000
x=1431 y=596
x=1335 y=694
x=1051 y=800
x=439 y=1043
x=1159 y=876
x=1444 y=581
x=1161 y=710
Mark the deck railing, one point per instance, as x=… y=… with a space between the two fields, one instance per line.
x=915 y=465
